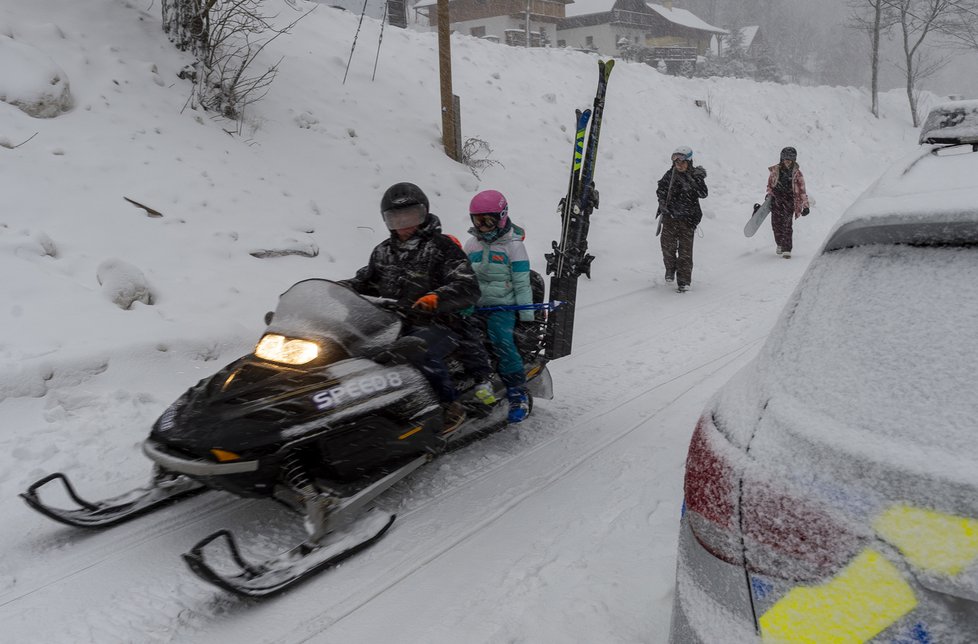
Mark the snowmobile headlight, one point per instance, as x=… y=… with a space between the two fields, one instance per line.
x=279 y=348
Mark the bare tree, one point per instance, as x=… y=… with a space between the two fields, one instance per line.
x=919 y=20
x=874 y=17
x=963 y=24
x=226 y=37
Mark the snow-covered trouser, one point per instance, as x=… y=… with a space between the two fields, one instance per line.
x=676 y=240
x=500 y=325
x=439 y=342
x=782 y=218
x=472 y=349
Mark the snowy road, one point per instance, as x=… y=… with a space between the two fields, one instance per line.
x=560 y=530
x=530 y=526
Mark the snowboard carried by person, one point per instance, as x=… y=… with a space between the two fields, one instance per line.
x=761 y=211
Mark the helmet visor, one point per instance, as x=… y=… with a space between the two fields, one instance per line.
x=405 y=217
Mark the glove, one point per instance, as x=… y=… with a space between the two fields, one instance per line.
x=427 y=303
x=805 y=211
x=699 y=172
x=527 y=315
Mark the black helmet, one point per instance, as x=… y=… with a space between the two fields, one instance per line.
x=404 y=205
x=789 y=153
x=401 y=195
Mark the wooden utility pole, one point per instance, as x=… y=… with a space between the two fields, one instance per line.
x=449 y=117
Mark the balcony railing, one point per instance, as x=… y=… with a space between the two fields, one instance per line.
x=630 y=18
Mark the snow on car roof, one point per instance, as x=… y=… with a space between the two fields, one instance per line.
x=956 y=121
x=933 y=192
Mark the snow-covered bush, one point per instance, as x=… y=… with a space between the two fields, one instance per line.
x=31 y=81
x=123 y=283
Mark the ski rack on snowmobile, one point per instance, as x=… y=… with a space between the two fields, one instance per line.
x=163 y=490
x=570 y=259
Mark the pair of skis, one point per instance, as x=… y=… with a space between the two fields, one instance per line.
x=570 y=258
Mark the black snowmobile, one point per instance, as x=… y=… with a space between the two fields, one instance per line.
x=327 y=413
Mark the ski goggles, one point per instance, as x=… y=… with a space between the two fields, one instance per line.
x=406 y=217
x=676 y=158
x=486 y=220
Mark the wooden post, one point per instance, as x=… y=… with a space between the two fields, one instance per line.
x=457 y=116
x=445 y=72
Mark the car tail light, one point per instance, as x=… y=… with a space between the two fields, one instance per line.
x=741 y=510
x=712 y=492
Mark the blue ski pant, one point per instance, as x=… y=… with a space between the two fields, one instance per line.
x=500 y=326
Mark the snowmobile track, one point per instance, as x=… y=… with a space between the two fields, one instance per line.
x=308 y=629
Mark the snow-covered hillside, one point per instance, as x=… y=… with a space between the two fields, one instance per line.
x=560 y=530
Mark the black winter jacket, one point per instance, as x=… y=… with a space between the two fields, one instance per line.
x=683 y=200
x=429 y=262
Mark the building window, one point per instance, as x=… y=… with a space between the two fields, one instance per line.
x=478 y=32
x=589 y=41
x=561 y=43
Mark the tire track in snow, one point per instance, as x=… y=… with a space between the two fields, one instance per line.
x=80 y=561
x=318 y=624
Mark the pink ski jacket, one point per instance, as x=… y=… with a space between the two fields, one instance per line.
x=797 y=186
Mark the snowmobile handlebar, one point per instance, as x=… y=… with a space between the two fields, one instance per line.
x=536 y=306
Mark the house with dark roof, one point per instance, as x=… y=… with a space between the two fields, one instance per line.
x=610 y=26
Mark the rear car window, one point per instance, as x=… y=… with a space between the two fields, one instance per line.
x=884 y=338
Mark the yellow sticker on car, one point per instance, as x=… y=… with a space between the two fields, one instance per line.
x=864 y=599
x=932 y=541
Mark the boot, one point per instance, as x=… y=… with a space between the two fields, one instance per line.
x=483 y=393
x=453 y=416
x=519 y=404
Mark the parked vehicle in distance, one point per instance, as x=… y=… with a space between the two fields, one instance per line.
x=831 y=490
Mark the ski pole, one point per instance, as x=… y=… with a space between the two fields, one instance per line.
x=383 y=21
x=538 y=306
x=359 y=24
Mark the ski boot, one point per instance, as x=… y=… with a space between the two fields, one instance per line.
x=483 y=393
x=519 y=404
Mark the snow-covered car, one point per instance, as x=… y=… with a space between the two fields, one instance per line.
x=831 y=490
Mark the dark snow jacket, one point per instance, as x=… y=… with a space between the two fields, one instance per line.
x=428 y=262
x=682 y=199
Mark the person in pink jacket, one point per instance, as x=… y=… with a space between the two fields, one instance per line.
x=789 y=200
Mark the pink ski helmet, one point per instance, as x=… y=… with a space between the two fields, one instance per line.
x=490 y=203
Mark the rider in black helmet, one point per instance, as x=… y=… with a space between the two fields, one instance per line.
x=425 y=270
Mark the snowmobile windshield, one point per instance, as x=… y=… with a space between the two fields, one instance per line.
x=322 y=310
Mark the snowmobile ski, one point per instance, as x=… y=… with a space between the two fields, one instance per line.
x=335 y=533
x=164 y=489
x=291 y=567
x=570 y=259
